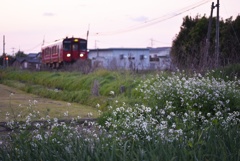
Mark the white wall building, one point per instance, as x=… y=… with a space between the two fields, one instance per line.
x=120 y=58
x=131 y=58
x=160 y=58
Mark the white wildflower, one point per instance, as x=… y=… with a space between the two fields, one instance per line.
x=148 y=109
x=35 y=102
x=170 y=131
x=218 y=113
x=169 y=117
x=173 y=125
x=112 y=93
x=38 y=137
x=172 y=113
x=90 y=114
x=65 y=113
x=148 y=138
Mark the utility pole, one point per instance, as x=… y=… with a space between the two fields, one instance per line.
x=3 y=44
x=217 y=36
x=88 y=34
x=208 y=35
x=4 y=55
x=42 y=42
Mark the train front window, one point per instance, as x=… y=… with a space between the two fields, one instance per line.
x=66 y=46
x=83 y=45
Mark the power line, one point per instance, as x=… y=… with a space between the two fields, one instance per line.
x=33 y=47
x=156 y=20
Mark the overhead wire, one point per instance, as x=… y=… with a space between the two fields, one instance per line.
x=146 y=23
x=154 y=21
x=33 y=47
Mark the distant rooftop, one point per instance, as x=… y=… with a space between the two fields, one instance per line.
x=107 y=49
x=148 y=48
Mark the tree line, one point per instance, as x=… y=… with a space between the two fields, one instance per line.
x=189 y=49
x=9 y=59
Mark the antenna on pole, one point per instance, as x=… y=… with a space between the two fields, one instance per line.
x=43 y=40
x=3 y=44
x=88 y=33
x=4 y=55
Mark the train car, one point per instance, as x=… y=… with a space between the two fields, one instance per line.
x=64 y=51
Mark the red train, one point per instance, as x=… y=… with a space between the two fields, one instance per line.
x=64 y=51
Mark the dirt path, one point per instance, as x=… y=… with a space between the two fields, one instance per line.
x=10 y=96
x=15 y=103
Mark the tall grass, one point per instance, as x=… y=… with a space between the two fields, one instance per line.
x=73 y=87
x=230 y=72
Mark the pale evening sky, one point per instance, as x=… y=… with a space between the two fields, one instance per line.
x=111 y=23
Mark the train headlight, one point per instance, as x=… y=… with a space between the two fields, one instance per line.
x=68 y=55
x=81 y=55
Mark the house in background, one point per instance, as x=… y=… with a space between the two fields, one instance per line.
x=31 y=61
x=120 y=58
x=160 y=58
x=131 y=58
x=18 y=62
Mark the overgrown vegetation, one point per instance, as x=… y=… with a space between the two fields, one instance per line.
x=90 y=89
x=189 y=47
x=93 y=88
x=177 y=117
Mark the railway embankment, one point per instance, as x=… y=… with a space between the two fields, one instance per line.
x=96 y=88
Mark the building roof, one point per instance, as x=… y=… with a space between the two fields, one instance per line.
x=32 y=55
x=111 y=49
x=159 y=49
x=151 y=50
x=20 y=59
x=31 y=58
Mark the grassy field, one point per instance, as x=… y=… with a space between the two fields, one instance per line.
x=89 y=89
x=17 y=104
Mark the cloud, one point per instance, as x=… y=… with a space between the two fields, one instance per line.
x=139 y=19
x=48 y=14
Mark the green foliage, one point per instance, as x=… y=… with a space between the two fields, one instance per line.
x=230 y=72
x=74 y=87
x=2 y=75
x=189 y=47
x=20 y=54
